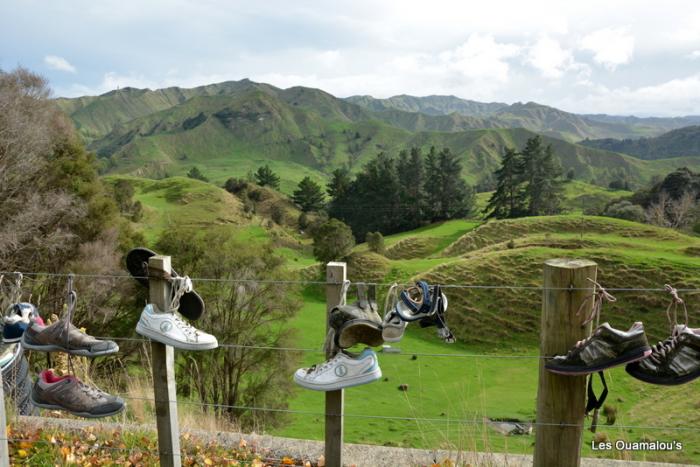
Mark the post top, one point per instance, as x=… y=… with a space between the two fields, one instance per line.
x=570 y=263
x=335 y=263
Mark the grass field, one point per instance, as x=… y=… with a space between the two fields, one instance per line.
x=452 y=395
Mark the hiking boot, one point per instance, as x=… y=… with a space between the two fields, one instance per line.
x=605 y=348
x=17 y=319
x=673 y=361
x=70 y=394
x=170 y=329
x=358 y=323
x=342 y=371
x=63 y=336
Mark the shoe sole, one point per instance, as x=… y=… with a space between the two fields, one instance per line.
x=629 y=357
x=172 y=342
x=58 y=348
x=346 y=383
x=13 y=340
x=631 y=370
x=79 y=414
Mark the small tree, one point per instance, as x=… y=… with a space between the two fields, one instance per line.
x=332 y=240
x=277 y=213
x=308 y=195
x=196 y=174
x=266 y=177
x=570 y=175
x=375 y=242
x=235 y=185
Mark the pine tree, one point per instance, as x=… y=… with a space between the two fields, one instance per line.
x=197 y=174
x=308 y=195
x=447 y=194
x=541 y=176
x=506 y=201
x=411 y=173
x=266 y=177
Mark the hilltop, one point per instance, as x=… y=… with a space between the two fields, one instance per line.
x=230 y=129
x=676 y=143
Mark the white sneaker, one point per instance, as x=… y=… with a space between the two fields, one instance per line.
x=341 y=371
x=170 y=329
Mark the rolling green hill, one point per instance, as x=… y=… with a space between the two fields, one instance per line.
x=488 y=323
x=309 y=133
x=676 y=143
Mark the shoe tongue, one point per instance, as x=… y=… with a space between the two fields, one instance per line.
x=636 y=326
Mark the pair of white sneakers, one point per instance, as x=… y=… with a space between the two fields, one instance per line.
x=170 y=329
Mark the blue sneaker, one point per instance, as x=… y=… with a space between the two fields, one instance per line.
x=17 y=319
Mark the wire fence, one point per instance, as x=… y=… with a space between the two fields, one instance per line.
x=475 y=420
x=368 y=282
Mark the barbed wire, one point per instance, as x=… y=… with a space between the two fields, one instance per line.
x=372 y=283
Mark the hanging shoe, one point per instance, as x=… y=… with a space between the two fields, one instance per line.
x=605 y=348
x=70 y=394
x=170 y=329
x=17 y=319
x=673 y=361
x=342 y=371
x=63 y=336
x=393 y=327
x=358 y=323
x=191 y=304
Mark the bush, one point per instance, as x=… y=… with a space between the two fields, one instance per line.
x=196 y=174
x=625 y=210
x=303 y=221
x=235 y=185
x=333 y=240
x=375 y=242
x=277 y=214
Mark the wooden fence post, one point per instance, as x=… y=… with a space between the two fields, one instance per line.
x=163 y=361
x=561 y=400
x=4 y=451
x=335 y=276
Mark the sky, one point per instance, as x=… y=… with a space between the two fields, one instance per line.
x=623 y=57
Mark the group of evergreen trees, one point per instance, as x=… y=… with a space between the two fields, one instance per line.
x=396 y=194
x=529 y=183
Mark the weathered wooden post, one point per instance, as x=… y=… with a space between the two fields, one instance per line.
x=335 y=276
x=561 y=400
x=4 y=451
x=163 y=361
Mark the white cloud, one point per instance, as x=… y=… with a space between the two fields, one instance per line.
x=674 y=97
x=549 y=57
x=59 y=63
x=481 y=57
x=611 y=47
x=694 y=55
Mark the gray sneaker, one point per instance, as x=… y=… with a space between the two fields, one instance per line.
x=358 y=323
x=605 y=348
x=70 y=394
x=63 y=336
x=673 y=361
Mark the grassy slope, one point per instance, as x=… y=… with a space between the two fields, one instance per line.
x=486 y=322
x=506 y=322
x=307 y=132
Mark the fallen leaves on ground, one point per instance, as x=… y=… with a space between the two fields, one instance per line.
x=96 y=448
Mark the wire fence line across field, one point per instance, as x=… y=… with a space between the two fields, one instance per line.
x=376 y=284
x=402 y=353
x=477 y=420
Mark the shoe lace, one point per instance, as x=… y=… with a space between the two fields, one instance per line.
x=319 y=367
x=598 y=297
x=180 y=286
x=91 y=391
x=186 y=328
x=662 y=349
x=675 y=301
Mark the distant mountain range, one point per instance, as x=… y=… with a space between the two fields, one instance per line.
x=230 y=128
x=676 y=143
